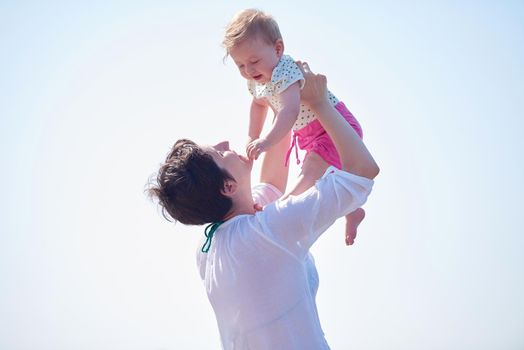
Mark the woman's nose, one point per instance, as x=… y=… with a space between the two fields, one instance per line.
x=222 y=146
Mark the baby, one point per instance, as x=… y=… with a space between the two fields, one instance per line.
x=254 y=42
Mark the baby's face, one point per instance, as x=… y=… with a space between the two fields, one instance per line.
x=256 y=59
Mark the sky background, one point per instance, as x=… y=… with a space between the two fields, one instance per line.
x=93 y=95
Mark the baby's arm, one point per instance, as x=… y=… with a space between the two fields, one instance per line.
x=284 y=120
x=257 y=117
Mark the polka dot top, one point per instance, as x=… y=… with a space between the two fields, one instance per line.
x=284 y=75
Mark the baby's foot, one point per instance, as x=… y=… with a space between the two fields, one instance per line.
x=353 y=219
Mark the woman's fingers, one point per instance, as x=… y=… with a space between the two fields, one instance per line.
x=304 y=68
x=315 y=88
x=309 y=75
x=321 y=79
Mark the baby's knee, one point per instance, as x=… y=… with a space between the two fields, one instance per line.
x=314 y=165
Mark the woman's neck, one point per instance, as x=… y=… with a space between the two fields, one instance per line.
x=242 y=204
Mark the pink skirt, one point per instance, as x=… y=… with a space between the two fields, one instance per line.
x=313 y=138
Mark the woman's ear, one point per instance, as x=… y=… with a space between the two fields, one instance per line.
x=229 y=189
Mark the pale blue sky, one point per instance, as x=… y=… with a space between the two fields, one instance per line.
x=93 y=95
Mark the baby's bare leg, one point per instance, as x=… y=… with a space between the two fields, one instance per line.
x=312 y=169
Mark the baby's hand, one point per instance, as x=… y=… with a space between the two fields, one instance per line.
x=256 y=147
x=249 y=140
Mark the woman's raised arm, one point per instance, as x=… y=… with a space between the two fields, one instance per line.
x=354 y=155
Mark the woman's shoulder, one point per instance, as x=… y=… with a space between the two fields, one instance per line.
x=265 y=193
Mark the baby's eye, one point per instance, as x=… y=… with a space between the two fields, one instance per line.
x=240 y=66
x=255 y=62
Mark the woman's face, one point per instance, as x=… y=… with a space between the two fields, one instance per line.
x=236 y=165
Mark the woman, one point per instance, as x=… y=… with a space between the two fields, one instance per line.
x=259 y=275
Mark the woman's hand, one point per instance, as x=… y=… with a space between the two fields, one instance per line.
x=353 y=153
x=315 y=87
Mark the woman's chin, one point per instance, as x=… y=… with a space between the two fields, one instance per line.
x=249 y=163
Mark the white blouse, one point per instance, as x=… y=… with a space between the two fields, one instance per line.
x=259 y=276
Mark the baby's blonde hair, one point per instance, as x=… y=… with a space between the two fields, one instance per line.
x=248 y=24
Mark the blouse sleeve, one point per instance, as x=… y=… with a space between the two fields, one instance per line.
x=297 y=222
x=285 y=74
x=265 y=193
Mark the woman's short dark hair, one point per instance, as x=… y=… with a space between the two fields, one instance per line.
x=188 y=186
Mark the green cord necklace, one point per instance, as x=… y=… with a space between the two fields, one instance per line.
x=212 y=227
